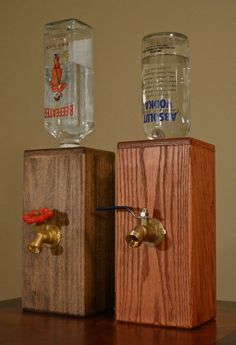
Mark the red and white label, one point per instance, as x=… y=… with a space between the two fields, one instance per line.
x=59 y=112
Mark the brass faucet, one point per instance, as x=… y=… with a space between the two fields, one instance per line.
x=47 y=234
x=150 y=231
x=47 y=226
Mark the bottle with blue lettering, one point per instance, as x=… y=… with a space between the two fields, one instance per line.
x=165 y=85
x=68 y=80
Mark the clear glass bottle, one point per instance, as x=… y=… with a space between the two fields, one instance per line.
x=165 y=85
x=68 y=92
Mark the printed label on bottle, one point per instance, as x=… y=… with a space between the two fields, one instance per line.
x=160 y=93
x=59 y=112
x=60 y=82
x=158 y=110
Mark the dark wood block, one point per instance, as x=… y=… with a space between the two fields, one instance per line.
x=78 y=279
x=173 y=284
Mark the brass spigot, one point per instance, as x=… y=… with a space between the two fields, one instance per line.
x=46 y=234
x=150 y=231
x=47 y=225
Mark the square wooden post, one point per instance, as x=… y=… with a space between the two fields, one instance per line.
x=173 y=284
x=79 y=278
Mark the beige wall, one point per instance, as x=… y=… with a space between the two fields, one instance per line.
x=118 y=29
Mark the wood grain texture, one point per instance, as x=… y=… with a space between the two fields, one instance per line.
x=173 y=284
x=80 y=280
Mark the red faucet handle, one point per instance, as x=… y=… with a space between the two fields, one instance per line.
x=38 y=216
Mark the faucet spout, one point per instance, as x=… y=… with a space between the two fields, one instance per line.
x=45 y=235
x=150 y=232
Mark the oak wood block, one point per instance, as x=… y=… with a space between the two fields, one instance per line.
x=173 y=284
x=77 y=279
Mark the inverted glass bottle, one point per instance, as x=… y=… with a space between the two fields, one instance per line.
x=68 y=91
x=165 y=85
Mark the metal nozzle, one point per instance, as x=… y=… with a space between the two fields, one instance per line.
x=151 y=232
x=45 y=234
x=136 y=236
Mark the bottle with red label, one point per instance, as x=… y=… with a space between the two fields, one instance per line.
x=68 y=91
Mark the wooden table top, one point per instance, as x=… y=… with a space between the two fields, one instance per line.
x=25 y=328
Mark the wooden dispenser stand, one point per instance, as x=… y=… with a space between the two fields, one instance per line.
x=77 y=278
x=173 y=284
